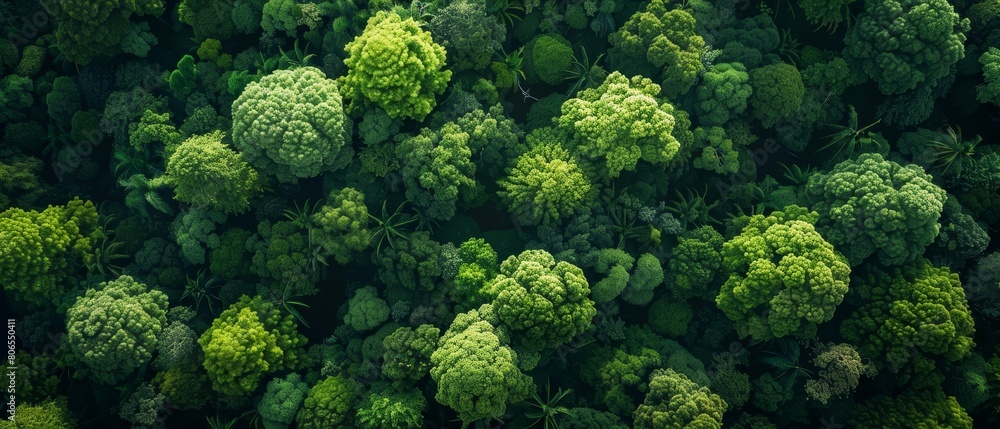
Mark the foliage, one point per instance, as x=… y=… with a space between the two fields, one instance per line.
x=659 y=41
x=642 y=283
x=388 y=226
x=777 y=92
x=545 y=186
x=392 y=409
x=366 y=310
x=249 y=339
x=342 y=224
x=717 y=152
x=853 y=139
x=722 y=93
x=549 y=409
x=468 y=34
x=841 y=368
x=281 y=400
x=913 y=408
x=494 y=138
x=438 y=171
x=779 y=265
x=204 y=172
x=546 y=303
x=828 y=14
x=676 y=401
x=695 y=265
x=284 y=254
x=477 y=269
x=144 y=406
x=589 y=418
x=89 y=30
x=394 y=64
x=873 y=206
x=407 y=352
x=615 y=373
x=415 y=264
x=989 y=92
x=48 y=414
x=551 y=58
x=41 y=249
x=910 y=316
x=619 y=123
x=789 y=204
x=15 y=92
x=330 y=403
x=195 y=233
x=903 y=44
x=476 y=372
x=176 y=345
x=208 y=19
x=313 y=135
x=670 y=319
x=280 y=15
x=113 y=328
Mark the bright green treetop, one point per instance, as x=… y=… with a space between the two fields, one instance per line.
x=715 y=151
x=331 y=403
x=989 y=91
x=777 y=92
x=113 y=328
x=342 y=224
x=551 y=57
x=784 y=278
x=661 y=40
x=927 y=408
x=695 y=264
x=282 y=400
x=49 y=414
x=676 y=402
x=292 y=124
x=38 y=249
x=249 y=339
x=479 y=266
x=395 y=65
x=910 y=316
x=494 y=138
x=153 y=131
x=875 y=206
x=546 y=186
x=438 y=170
x=407 y=352
x=207 y=173
x=282 y=255
x=904 y=44
x=722 y=93
x=545 y=302
x=366 y=310
x=280 y=15
x=621 y=122
x=476 y=372
x=392 y=409
x=413 y=264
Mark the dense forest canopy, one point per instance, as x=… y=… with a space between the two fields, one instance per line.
x=575 y=214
